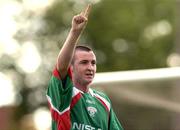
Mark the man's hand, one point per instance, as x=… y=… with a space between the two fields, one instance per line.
x=79 y=21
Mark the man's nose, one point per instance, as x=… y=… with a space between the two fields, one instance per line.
x=90 y=66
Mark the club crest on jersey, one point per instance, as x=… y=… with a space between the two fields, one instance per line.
x=92 y=111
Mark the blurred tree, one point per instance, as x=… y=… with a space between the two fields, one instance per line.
x=131 y=31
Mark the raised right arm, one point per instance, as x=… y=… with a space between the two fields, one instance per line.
x=66 y=53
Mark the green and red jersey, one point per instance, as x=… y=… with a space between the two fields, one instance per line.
x=72 y=109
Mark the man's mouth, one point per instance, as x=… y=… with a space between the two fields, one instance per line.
x=89 y=75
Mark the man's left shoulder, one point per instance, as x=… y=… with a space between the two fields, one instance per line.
x=101 y=93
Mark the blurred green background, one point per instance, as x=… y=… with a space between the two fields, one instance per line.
x=125 y=35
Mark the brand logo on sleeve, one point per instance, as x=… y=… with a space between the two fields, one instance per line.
x=90 y=102
x=92 y=111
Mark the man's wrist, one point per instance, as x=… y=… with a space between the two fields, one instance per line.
x=75 y=32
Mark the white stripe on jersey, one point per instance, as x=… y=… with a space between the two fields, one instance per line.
x=75 y=91
x=102 y=98
x=52 y=106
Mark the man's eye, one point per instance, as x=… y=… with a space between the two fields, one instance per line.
x=93 y=63
x=83 y=62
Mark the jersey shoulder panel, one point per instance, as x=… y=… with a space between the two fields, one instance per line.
x=102 y=94
x=103 y=98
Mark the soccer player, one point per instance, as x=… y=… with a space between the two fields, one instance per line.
x=73 y=104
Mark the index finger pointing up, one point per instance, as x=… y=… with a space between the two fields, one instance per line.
x=87 y=11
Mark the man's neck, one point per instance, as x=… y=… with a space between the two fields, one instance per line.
x=83 y=88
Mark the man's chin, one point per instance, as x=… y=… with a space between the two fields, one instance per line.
x=89 y=81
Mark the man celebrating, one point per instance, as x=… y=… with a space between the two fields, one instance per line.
x=73 y=104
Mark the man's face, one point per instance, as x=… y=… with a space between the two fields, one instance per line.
x=84 y=67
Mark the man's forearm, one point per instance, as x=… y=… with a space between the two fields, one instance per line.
x=66 y=52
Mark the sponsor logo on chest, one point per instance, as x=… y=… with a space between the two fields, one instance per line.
x=79 y=126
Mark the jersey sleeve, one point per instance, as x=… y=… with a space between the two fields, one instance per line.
x=59 y=94
x=59 y=91
x=114 y=123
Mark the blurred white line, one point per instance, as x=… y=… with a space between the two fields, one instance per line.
x=145 y=99
x=138 y=75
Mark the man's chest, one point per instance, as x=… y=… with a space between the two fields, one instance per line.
x=89 y=113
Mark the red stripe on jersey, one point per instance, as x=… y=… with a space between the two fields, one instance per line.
x=103 y=103
x=75 y=99
x=63 y=121
x=70 y=73
x=57 y=74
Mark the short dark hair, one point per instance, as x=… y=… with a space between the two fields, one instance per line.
x=81 y=48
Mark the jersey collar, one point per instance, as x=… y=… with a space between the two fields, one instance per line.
x=90 y=91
